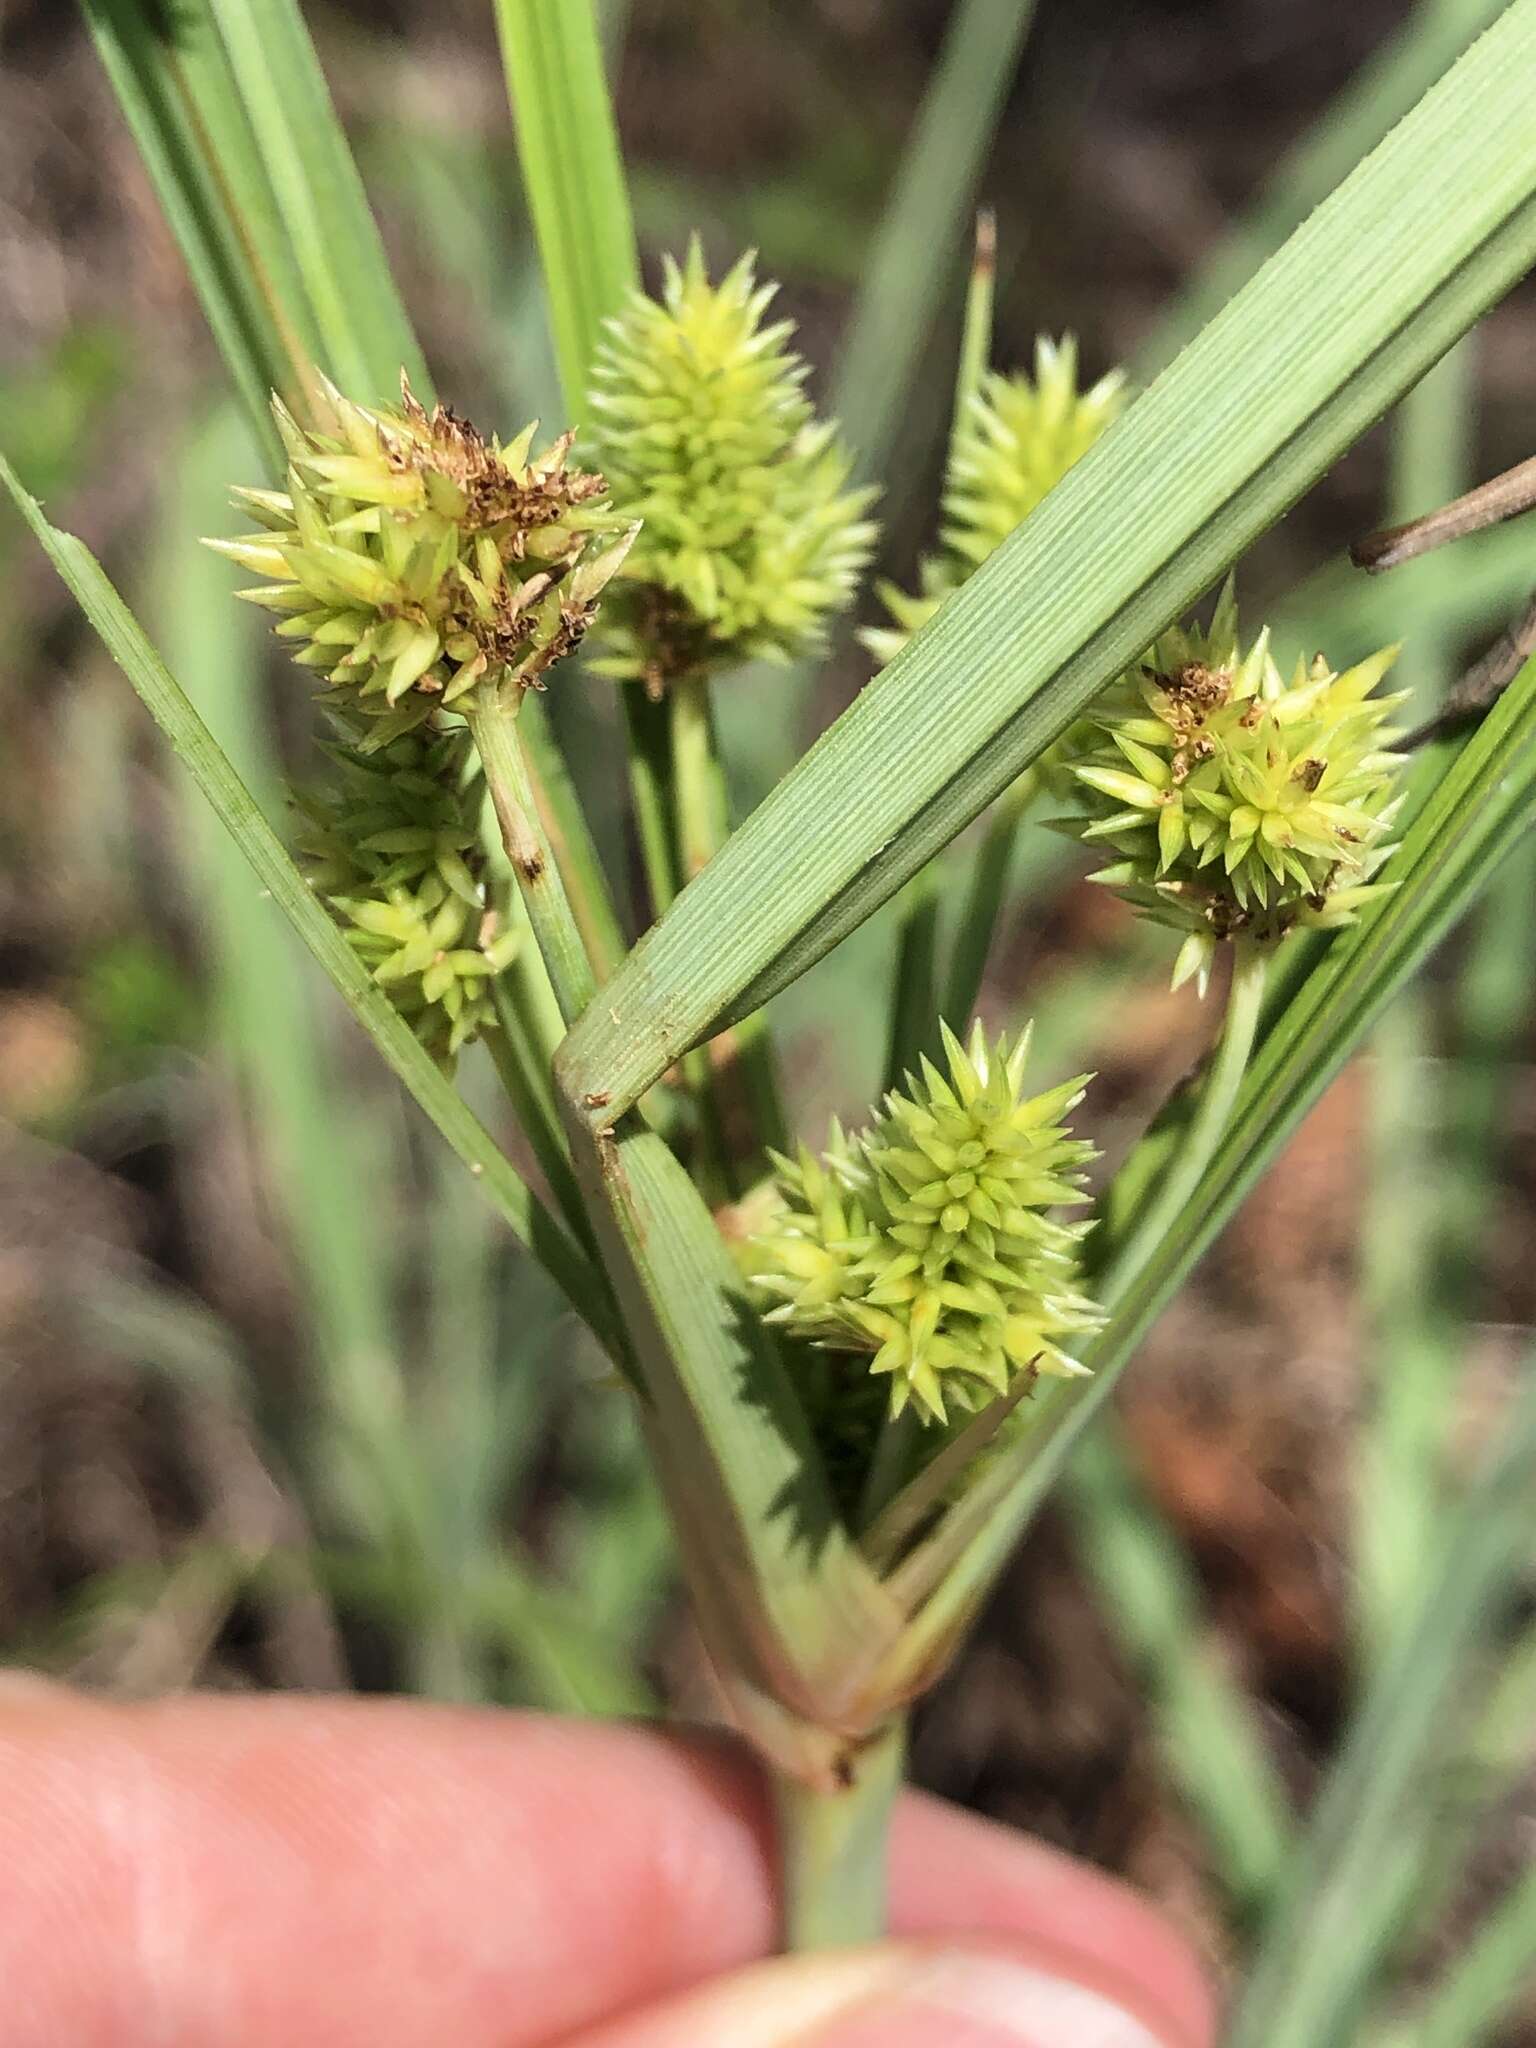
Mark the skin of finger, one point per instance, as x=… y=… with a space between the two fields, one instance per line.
x=378 y=1872
x=896 y=1995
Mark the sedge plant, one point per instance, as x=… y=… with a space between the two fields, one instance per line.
x=858 y=1364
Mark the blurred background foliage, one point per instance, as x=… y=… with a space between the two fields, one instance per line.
x=247 y=1440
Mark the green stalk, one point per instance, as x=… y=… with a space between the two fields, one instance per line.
x=571 y=836
x=648 y=726
x=1244 y=999
x=698 y=783
x=1411 y=1363
x=573 y=179
x=702 y=811
x=832 y=1848
x=889 y=1467
x=527 y=1089
x=494 y=730
x=983 y=904
x=914 y=982
x=572 y=174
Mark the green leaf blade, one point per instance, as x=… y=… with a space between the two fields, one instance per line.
x=572 y=174
x=357 y=310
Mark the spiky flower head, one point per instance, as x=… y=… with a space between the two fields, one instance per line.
x=1015 y=438
x=928 y=1241
x=391 y=845
x=416 y=564
x=751 y=538
x=1241 y=804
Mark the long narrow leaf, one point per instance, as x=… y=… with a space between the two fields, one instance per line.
x=921 y=235
x=1274 y=389
x=1206 y=1726
x=1411 y=1363
x=362 y=323
x=168 y=704
x=1342 y=1909
x=571 y=173
x=1383 y=90
x=173 y=83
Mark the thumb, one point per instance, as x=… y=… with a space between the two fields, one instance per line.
x=901 y=1995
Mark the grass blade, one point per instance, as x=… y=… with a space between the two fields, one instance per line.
x=176 y=91
x=365 y=334
x=1346 y=1890
x=210 y=768
x=919 y=240
x=1481 y=1988
x=1374 y=100
x=1206 y=1726
x=572 y=174
x=1412 y=1355
x=1272 y=391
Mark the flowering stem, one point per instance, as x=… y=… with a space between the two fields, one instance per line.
x=560 y=808
x=647 y=725
x=698 y=785
x=524 y=1076
x=494 y=730
x=914 y=998
x=833 y=1847
x=984 y=900
x=1233 y=1047
x=703 y=820
x=890 y=1463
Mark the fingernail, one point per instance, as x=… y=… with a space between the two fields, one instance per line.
x=895 y=1995
x=985 y=1999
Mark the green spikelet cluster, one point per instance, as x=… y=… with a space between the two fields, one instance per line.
x=751 y=539
x=1015 y=439
x=927 y=1241
x=1239 y=803
x=392 y=847
x=414 y=563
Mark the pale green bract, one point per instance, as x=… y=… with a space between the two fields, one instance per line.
x=1242 y=805
x=1015 y=438
x=751 y=540
x=928 y=1242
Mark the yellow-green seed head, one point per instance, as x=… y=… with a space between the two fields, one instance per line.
x=414 y=563
x=1240 y=803
x=928 y=1241
x=751 y=539
x=392 y=847
x=1015 y=439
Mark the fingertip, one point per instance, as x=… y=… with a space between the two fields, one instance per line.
x=955 y=1873
x=417 y=1874
x=897 y=1995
